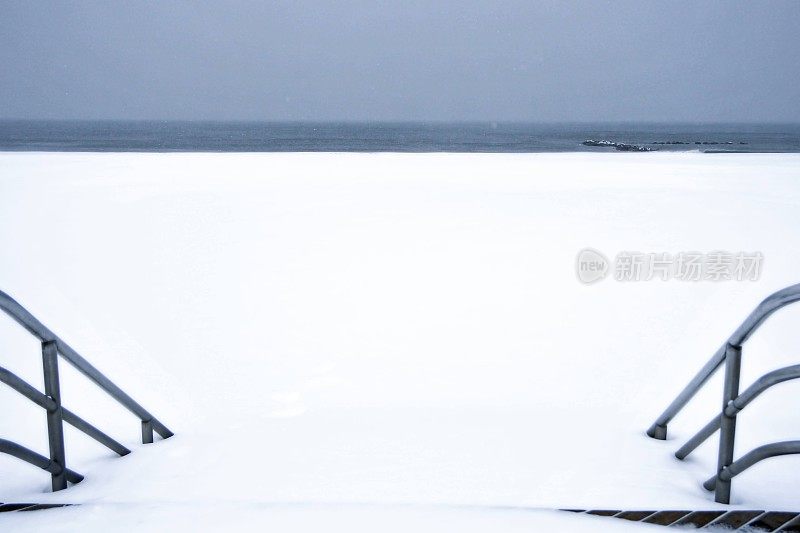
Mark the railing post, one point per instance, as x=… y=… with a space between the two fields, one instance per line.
x=55 y=427
x=727 y=434
x=147 y=432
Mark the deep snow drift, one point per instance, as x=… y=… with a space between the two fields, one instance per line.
x=370 y=340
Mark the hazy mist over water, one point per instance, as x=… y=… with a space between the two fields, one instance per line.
x=360 y=60
x=358 y=75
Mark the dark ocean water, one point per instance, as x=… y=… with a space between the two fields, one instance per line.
x=113 y=136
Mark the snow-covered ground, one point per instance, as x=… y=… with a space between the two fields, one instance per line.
x=389 y=342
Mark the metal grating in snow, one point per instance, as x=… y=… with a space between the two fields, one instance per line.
x=10 y=507
x=783 y=521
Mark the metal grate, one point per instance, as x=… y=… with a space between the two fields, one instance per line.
x=783 y=521
x=11 y=507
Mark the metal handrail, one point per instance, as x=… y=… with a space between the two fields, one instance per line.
x=789 y=447
x=30 y=456
x=13 y=309
x=730 y=353
x=50 y=400
x=47 y=403
x=753 y=391
x=769 y=305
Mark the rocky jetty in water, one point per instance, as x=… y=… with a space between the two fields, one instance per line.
x=622 y=147
x=697 y=142
x=626 y=147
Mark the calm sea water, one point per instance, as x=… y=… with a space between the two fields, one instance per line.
x=108 y=136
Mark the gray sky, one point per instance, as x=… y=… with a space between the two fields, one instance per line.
x=406 y=60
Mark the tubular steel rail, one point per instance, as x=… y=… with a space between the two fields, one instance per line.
x=730 y=353
x=50 y=401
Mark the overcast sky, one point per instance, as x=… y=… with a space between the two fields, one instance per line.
x=499 y=60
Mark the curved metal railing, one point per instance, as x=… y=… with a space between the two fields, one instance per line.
x=733 y=408
x=768 y=306
x=730 y=353
x=29 y=456
x=50 y=400
x=775 y=449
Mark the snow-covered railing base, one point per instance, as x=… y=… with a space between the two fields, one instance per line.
x=50 y=401
x=729 y=356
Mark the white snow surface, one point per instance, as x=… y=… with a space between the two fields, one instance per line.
x=389 y=342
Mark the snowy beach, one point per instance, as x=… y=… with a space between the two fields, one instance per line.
x=375 y=341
